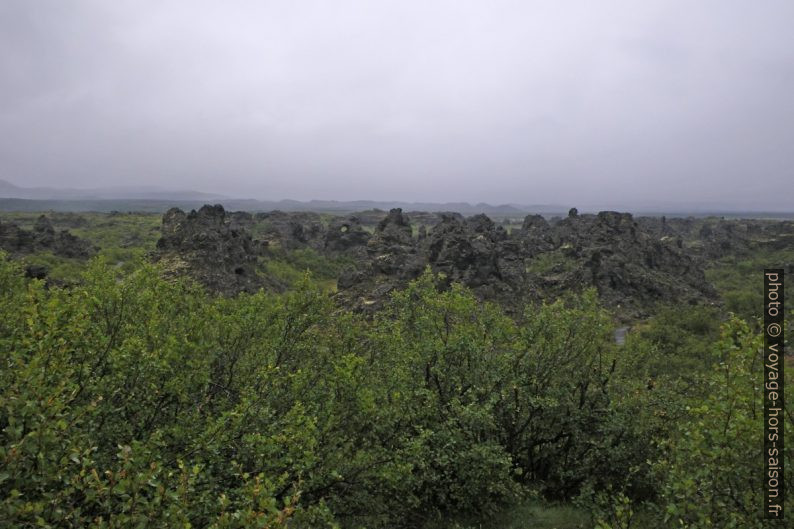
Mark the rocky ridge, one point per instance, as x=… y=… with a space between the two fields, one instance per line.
x=632 y=263
x=631 y=269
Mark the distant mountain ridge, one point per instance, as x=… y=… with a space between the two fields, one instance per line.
x=150 y=198
x=9 y=190
x=158 y=200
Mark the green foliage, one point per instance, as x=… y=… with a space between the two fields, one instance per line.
x=709 y=474
x=60 y=269
x=550 y=263
x=123 y=240
x=129 y=400
x=106 y=416
x=740 y=282
x=682 y=340
x=289 y=266
x=558 y=392
x=442 y=354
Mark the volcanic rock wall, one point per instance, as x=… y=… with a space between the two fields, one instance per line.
x=634 y=266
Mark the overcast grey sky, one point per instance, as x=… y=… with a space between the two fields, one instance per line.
x=497 y=101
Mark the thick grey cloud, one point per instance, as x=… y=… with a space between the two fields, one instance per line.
x=613 y=102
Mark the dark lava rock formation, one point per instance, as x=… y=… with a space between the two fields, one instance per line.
x=390 y=259
x=713 y=238
x=346 y=235
x=43 y=238
x=633 y=264
x=479 y=254
x=218 y=248
x=209 y=246
x=632 y=269
x=291 y=230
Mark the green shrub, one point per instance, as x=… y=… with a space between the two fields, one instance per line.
x=129 y=400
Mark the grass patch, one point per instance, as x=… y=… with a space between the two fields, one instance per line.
x=547 y=263
x=289 y=266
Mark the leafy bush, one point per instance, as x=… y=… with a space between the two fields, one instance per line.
x=710 y=475
x=128 y=400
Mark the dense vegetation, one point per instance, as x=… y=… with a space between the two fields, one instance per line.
x=127 y=400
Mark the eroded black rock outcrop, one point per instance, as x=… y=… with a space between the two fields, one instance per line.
x=389 y=260
x=633 y=265
x=479 y=254
x=346 y=235
x=632 y=269
x=712 y=238
x=535 y=235
x=43 y=237
x=210 y=247
x=474 y=251
x=292 y=230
